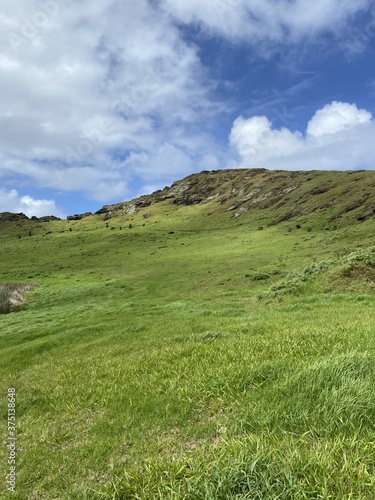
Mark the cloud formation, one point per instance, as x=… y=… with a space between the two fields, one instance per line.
x=85 y=86
x=11 y=201
x=337 y=117
x=96 y=94
x=338 y=136
x=265 y=20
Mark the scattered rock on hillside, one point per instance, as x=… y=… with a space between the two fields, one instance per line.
x=48 y=218
x=79 y=216
x=127 y=207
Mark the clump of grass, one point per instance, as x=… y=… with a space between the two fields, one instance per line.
x=252 y=468
x=257 y=276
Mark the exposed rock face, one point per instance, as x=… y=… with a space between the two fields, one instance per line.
x=234 y=189
x=127 y=207
x=48 y=218
x=79 y=216
x=8 y=216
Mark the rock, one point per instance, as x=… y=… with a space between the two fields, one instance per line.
x=8 y=216
x=142 y=204
x=79 y=216
x=131 y=209
x=103 y=210
x=48 y=218
x=241 y=211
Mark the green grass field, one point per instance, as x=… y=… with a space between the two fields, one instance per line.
x=151 y=365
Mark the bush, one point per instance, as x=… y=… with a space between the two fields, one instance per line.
x=365 y=256
x=358 y=265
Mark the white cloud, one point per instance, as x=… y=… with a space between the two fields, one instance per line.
x=165 y=159
x=265 y=20
x=337 y=117
x=338 y=136
x=11 y=201
x=84 y=84
x=97 y=92
x=255 y=138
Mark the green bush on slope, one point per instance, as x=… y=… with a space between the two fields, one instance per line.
x=354 y=271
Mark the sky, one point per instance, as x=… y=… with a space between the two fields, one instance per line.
x=104 y=100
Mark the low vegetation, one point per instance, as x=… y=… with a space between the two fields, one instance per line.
x=146 y=368
x=354 y=271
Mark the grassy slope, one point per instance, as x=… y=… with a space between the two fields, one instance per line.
x=146 y=368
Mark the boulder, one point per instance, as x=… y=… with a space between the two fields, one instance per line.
x=79 y=216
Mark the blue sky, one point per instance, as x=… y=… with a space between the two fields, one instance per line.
x=104 y=100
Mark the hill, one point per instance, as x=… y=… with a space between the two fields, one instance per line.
x=170 y=349
x=273 y=195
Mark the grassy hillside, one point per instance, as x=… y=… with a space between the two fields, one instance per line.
x=332 y=198
x=192 y=355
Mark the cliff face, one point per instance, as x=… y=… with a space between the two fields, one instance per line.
x=284 y=195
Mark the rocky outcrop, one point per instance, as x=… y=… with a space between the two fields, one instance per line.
x=8 y=216
x=79 y=216
x=48 y=218
x=126 y=208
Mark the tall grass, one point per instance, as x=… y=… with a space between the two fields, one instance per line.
x=145 y=367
